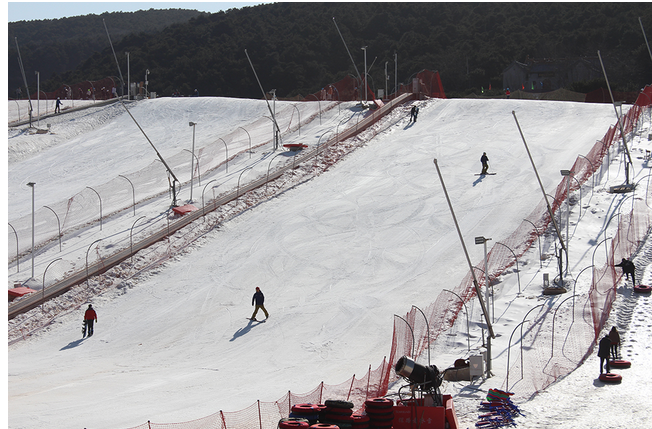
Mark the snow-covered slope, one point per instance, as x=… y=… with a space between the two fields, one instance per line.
x=336 y=257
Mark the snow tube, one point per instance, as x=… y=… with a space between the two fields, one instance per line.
x=295 y=146
x=305 y=408
x=642 y=289
x=610 y=378
x=374 y=413
x=620 y=363
x=293 y=424
x=338 y=411
x=379 y=403
x=359 y=418
x=336 y=418
x=324 y=426
x=310 y=418
x=338 y=404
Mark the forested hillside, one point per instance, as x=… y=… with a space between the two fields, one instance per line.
x=59 y=45
x=296 y=48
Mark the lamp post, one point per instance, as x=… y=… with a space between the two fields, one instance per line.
x=364 y=48
x=31 y=185
x=273 y=92
x=146 y=82
x=567 y=175
x=38 y=101
x=128 y=79
x=386 y=78
x=192 y=158
x=395 y=73
x=483 y=240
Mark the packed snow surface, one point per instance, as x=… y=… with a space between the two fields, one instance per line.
x=337 y=256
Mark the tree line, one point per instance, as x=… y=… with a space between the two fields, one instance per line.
x=296 y=48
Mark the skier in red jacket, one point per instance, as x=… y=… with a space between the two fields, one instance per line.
x=89 y=318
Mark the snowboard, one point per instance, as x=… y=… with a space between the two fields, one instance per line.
x=486 y=174
x=256 y=320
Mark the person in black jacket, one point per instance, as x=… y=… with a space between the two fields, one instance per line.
x=614 y=336
x=604 y=349
x=484 y=159
x=259 y=300
x=628 y=268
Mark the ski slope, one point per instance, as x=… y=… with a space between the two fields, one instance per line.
x=336 y=256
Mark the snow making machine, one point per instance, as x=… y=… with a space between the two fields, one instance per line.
x=421 y=404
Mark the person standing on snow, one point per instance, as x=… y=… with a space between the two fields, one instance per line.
x=603 y=353
x=57 y=107
x=259 y=300
x=90 y=316
x=485 y=162
x=615 y=342
x=628 y=268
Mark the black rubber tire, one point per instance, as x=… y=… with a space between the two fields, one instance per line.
x=338 y=404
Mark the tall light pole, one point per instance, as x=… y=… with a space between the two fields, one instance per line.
x=128 y=79
x=192 y=161
x=146 y=74
x=38 y=100
x=483 y=240
x=364 y=48
x=386 y=78
x=395 y=74
x=31 y=185
x=567 y=175
x=273 y=92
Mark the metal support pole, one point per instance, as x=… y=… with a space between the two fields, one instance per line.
x=31 y=185
x=490 y=329
x=192 y=158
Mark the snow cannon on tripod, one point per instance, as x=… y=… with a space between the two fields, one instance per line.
x=423 y=380
x=422 y=406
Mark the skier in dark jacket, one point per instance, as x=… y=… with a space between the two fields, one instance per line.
x=485 y=162
x=90 y=316
x=614 y=336
x=259 y=300
x=628 y=268
x=604 y=348
x=413 y=113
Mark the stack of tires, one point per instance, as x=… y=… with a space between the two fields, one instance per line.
x=337 y=413
x=380 y=412
x=309 y=412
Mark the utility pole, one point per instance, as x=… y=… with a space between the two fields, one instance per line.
x=364 y=48
x=38 y=99
x=128 y=79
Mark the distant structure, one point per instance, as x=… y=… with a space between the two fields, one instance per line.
x=547 y=74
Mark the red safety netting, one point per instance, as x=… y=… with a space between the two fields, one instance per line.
x=426 y=83
x=102 y=89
